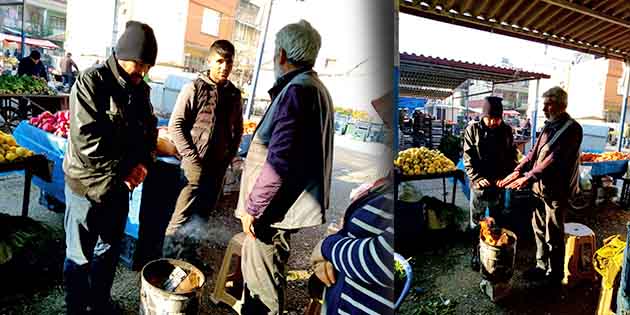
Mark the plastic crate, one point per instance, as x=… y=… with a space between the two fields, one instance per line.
x=608 y=167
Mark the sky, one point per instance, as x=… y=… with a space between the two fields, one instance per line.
x=347 y=33
x=423 y=36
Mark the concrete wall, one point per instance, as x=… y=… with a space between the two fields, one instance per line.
x=194 y=35
x=89 y=36
x=587 y=89
x=168 y=19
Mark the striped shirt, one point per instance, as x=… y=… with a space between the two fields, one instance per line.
x=363 y=256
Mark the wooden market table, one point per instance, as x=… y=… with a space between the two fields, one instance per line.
x=456 y=175
x=34 y=165
x=35 y=104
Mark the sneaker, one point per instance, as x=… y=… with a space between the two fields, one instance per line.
x=535 y=274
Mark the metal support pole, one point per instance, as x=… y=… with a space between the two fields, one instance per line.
x=396 y=126
x=535 y=113
x=115 y=26
x=23 y=51
x=261 y=49
x=466 y=101
x=624 y=105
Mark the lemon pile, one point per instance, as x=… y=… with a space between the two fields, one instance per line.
x=10 y=151
x=422 y=161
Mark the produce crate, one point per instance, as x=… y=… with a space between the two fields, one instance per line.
x=375 y=133
x=361 y=130
x=607 y=167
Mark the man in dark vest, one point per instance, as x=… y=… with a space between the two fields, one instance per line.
x=552 y=168
x=285 y=184
x=206 y=126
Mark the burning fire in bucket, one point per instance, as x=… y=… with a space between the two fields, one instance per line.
x=491 y=234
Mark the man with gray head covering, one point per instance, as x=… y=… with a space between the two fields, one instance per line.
x=112 y=143
x=489 y=156
x=286 y=180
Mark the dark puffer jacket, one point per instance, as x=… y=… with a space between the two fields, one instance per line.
x=112 y=129
x=200 y=136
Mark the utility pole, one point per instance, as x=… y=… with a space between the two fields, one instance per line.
x=252 y=92
x=115 y=28
x=23 y=34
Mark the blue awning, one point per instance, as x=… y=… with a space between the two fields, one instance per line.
x=411 y=103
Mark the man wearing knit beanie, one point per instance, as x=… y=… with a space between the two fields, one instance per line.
x=111 y=145
x=489 y=156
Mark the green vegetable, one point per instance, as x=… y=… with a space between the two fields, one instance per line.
x=10 y=84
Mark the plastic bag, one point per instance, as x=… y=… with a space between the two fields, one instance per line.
x=407 y=192
x=586 y=180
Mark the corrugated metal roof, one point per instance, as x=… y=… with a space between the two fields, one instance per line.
x=431 y=77
x=600 y=27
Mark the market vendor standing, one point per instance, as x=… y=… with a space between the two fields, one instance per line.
x=112 y=140
x=206 y=126
x=33 y=66
x=30 y=66
x=489 y=156
x=552 y=167
x=285 y=184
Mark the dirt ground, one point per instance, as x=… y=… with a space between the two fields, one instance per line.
x=445 y=284
x=44 y=295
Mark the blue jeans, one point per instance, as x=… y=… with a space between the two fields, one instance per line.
x=93 y=235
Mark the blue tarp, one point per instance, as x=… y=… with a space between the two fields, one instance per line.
x=51 y=146
x=411 y=103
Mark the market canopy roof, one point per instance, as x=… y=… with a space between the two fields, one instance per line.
x=436 y=78
x=599 y=27
x=29 y=41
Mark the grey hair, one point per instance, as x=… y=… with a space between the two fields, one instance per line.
x=300 y=41
x=557 y=95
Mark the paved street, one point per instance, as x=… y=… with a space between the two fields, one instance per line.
x=353 y=165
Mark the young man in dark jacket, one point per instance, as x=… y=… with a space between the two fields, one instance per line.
x=112 y=142
x=551 y=167
x=206 y=126
x=489 y=156
x=33 y=66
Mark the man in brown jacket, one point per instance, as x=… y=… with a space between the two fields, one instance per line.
x=206 y=126
x=552 y=168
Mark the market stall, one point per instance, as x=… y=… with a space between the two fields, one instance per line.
x=22 y=97
x=46 y=135
x=16 y=158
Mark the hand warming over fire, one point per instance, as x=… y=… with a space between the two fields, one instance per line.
x=483 y=183
x=509 y=179
x=519 y=183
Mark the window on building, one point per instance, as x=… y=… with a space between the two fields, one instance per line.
x=57 y=23
x=210 y=22
x=245 y=33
